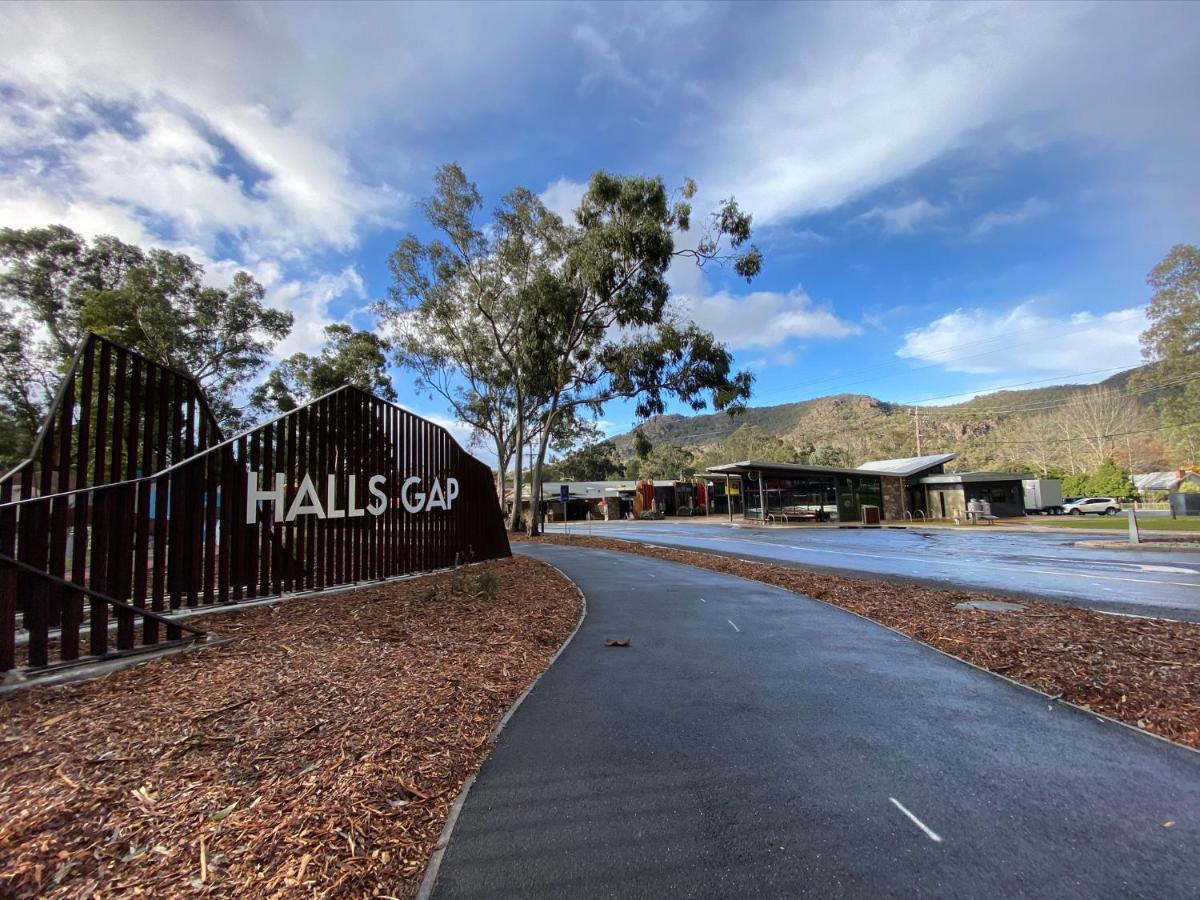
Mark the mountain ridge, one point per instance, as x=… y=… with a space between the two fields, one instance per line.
x=867 y=427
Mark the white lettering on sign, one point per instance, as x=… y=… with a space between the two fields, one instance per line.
x=307 y=500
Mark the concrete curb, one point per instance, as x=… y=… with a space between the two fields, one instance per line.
x=1153 y=546
x=429 y=881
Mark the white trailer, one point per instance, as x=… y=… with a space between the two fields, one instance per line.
x=1043 y=496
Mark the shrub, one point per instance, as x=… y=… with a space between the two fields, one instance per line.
x=650 y=514
x=487 y=584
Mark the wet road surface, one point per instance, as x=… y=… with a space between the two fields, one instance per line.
x=754 y=743
x=1037 y=564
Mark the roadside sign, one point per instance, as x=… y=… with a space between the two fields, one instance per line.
x=564 y=492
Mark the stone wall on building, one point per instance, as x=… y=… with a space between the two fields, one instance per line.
x=893 y=497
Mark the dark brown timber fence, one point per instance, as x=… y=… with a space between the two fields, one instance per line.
x=132 y=507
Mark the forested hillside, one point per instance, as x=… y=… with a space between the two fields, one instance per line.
x=1063 y=428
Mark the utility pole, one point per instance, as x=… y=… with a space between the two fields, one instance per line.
x=917 y=422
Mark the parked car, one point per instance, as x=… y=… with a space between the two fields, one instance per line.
x=1101 y=506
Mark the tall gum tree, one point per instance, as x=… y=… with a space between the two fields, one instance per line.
x=458 y=308
x=603 y=327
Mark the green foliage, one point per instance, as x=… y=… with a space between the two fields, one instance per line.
x=829 y=456
x=529 y=324
x=155 y=302
x=1076 y=485
x=665 y=462
x=1172 y=340
x=349 y=356
x=592 y=462
x=750 y=442
x=459 y=310
x=641 y=444
x=1110 y=480
x=1189 y=487
x=651 y=514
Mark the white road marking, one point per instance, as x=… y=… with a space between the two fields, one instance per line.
x=929 y=832
x=735 y=628
x=1172 y=570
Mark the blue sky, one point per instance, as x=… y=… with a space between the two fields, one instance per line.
x=950 y=197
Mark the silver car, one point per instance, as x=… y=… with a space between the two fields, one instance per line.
x=1101 y=506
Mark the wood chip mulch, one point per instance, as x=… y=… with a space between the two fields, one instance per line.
x=1145 y=672
x=316 y=753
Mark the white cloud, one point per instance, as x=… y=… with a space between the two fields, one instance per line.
x=1032 y=208
x=309 y=300
x=904 y=218
x=563 y=196
x=606 y=57
x=1024 y=340
x=244 y=135
x=836 y=101
x=763 y=318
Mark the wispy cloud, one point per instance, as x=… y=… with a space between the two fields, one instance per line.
x=1032 y=208
x=903 y=218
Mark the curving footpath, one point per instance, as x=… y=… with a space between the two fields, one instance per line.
x=756 y=743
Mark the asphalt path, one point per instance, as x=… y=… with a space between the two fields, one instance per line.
x=1038 y=564
x=753 y=743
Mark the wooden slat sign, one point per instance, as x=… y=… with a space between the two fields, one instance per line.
x=133 y=501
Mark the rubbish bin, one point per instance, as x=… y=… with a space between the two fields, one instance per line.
x=870 y=515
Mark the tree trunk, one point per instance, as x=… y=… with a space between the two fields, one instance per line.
x=501 y=468
x=535 y=487
x=514 y=520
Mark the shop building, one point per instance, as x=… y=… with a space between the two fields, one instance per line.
x=880 y=490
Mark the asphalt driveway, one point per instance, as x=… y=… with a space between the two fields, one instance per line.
x=1038 y=564
x=756 y=743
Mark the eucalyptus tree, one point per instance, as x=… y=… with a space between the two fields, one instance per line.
x=348 y=356
x=604 y=330
x=458 y=308
x=528 y=326
x=55 y=286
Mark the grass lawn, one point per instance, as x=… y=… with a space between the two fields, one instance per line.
x=1119 y=523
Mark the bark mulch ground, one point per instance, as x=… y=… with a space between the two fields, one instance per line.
x=1145 y=672
x=316 y=753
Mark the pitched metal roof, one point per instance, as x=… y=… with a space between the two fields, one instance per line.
x=906 y=467
x=747 y=465
x=1163 y=481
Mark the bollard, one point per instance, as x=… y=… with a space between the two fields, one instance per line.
x=1135 y=536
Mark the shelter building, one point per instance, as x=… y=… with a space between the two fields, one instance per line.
x=880 y=490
